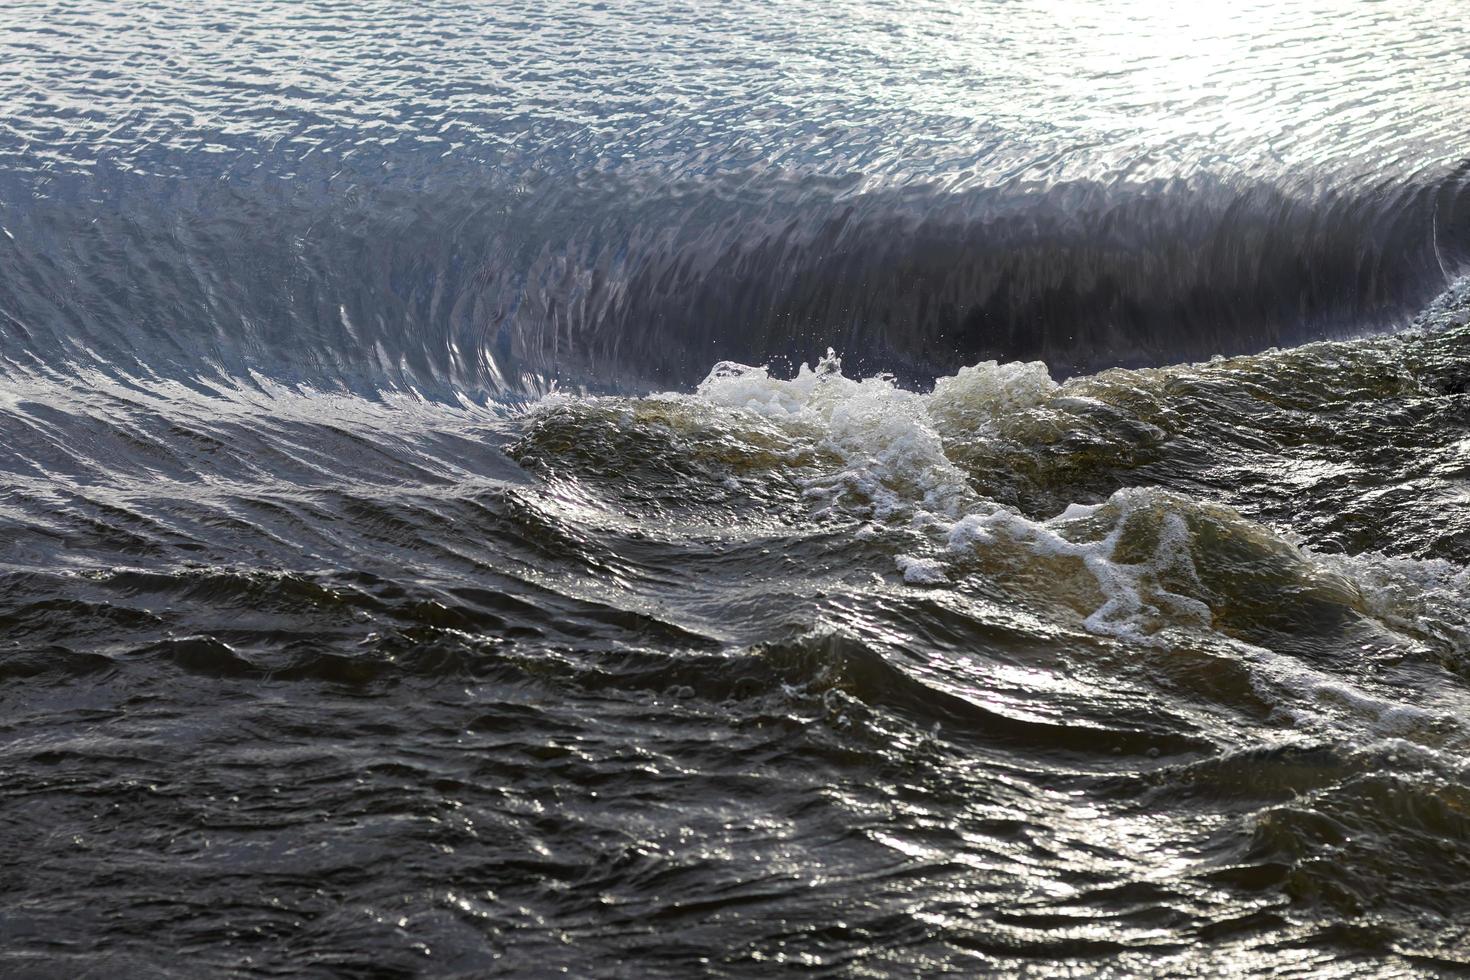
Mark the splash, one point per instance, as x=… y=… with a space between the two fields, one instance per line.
x=1142 y=564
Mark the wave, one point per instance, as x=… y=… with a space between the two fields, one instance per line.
x=501 y=289
x=1136 y=505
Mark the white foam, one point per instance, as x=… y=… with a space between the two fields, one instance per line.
x=1426 y=598
x=889 y=442
x=922 y=571
x=891 y=461
x=977 y=395
x=1135 y=603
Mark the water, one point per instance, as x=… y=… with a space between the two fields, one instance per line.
x=855 y=489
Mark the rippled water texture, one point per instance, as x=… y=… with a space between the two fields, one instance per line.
x=734 y=489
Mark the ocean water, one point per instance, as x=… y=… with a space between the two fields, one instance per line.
x=850 y=489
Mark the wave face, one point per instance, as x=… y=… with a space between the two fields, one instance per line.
x=861 y=488
x=607 y=285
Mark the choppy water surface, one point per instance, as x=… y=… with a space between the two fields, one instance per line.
x=855 y=489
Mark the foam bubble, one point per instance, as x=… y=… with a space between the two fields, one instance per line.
x=1427 y=599
x=889 y=442
x=976 y=395
x=1134 y=600
x=890 y=458
x=922 y=571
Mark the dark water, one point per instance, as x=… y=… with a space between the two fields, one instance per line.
x=403 y=572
